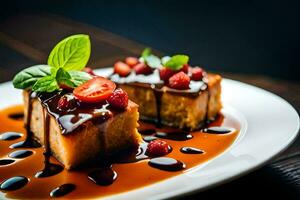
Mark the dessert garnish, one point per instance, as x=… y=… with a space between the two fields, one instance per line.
x=164 y=87
x=88 y=123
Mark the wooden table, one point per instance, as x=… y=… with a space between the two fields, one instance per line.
x=26 y=40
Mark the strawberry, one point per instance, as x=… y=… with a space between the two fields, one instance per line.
x=180 y=81
x=118 y=99
x=197 y=73
x=185 y=68
x=157 y=148
x=166 y=73
x=142 y=68
x=89 y=71
x=131 y=61
x=121 y=68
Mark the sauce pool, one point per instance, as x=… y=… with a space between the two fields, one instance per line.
x=121 y=177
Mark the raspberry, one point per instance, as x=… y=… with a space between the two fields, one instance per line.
x=197 y=73
x=157 y=148
x=121 y=68
x=185 y=68
x=118 y=99
x=166 y=73
x=142 y=68
x=66 y=102
x=131 y=61
x=179 y=81
x=89 y=71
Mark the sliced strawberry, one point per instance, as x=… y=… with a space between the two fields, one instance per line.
x=142 y=68
x=180 y=81
x=122 y=69
x=166 y=73
x=197 y=73
x=131 y=61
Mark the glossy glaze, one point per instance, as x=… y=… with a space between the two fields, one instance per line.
x=212 y=144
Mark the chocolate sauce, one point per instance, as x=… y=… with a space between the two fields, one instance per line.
x=191 y=150
x=177 y=136
x=14 y=183
x=6 y=161
x=50 y=169
x=27 y=143
x=147 y=131
x=149 y=138
x=10 y=136
x=153 y=82
x=167 y=164
x=16 y=116
x=217 y=130
x=132 y=155
x=20 y=154
x=71 y=119
x=158 y=95
x=103 y=176
x=62 y=190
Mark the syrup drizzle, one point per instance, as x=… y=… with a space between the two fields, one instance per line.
x=191 y=150
x=62 y=190
x=167 y=164
x=103 y=176
x=6 y=161
x=50 y=169
x=217 y=130
x=10 y=136
x=14 y=183
x=20 y=154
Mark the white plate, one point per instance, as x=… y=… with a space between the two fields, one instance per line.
x=269 y=125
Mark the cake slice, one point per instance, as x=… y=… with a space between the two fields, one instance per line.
x=81 y=132
x=187 y=97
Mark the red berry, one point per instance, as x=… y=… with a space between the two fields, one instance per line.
x=118 y=99
x=66 y=102
x=179 y=81
x=197 y=73
x=89 y=71
x=121 y=68
x=142 y=68
x=185 y=68
x=157 y=148
x=131 y=61
x=166 y=73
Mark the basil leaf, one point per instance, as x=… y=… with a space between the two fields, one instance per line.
x=72 y=53
x=79 y=77
x=46 y=84
x=63 y=77
x=176 y=62
x=29 y=76
x=165 y=59
x=146 y=52
x=153 y=61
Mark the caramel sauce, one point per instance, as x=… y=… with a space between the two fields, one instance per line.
x=126 y=176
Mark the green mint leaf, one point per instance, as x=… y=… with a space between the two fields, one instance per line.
x=176 y=62
x=79 y=77
x=146 y=52
x=46 y=84
x=165 y=59
x=72 y=53
x=153 y=61
x=28 y=77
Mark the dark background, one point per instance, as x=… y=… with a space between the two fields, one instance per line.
x=256 y=42
x=256 y=37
